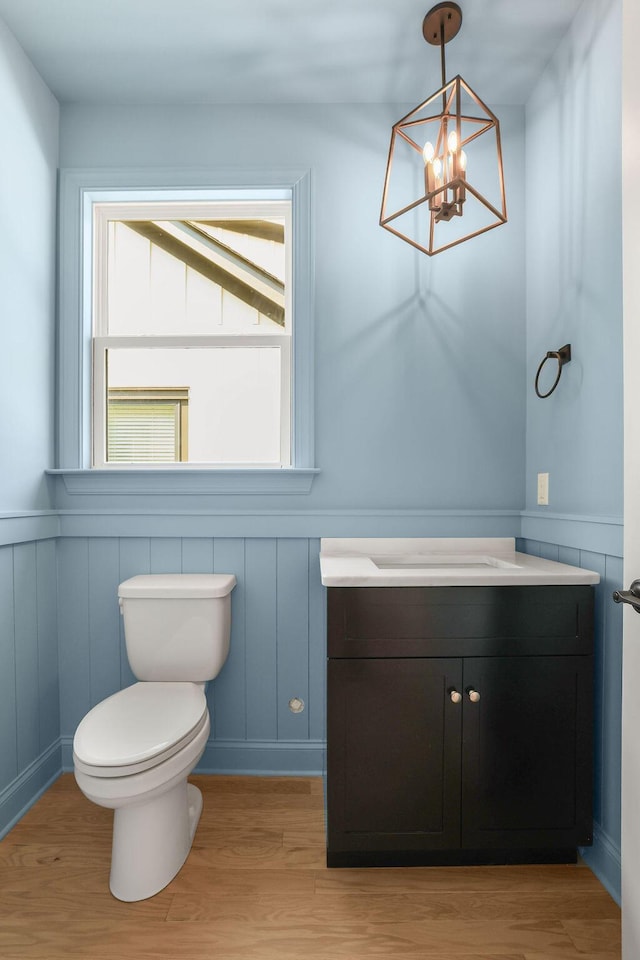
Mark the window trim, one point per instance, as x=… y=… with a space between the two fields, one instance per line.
x=79 y=189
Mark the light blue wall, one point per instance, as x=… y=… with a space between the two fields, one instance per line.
x=574 y=267
x=419 y=419
x=29 y=696
x=28 y=163
x=574 y=295
x=419 y=364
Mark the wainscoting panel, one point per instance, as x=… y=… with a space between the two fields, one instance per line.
x=228 y=692
x=261 y=623
x=29 y=692
x=8 y=718
x=74 y=638
x=293 y=637
x=104 y=617
x=47 y=621
x=277 y=642
x=25 y=624
x=604 y=856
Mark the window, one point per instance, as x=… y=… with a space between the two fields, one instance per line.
x=194 y=294
x=105 y=347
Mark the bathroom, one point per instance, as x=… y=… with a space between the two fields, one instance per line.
x=425 y=421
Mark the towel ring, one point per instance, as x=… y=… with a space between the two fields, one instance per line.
x=563 y=355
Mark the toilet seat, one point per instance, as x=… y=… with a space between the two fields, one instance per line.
x=139 y=727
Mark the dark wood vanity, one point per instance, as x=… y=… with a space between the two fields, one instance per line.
x=459 y=724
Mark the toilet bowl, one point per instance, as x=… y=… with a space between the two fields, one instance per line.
x=134 y=751
x=156 y=810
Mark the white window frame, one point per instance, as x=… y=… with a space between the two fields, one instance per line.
x=103 y=213
x=80 y=189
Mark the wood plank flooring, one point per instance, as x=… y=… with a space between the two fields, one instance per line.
x=255 y=887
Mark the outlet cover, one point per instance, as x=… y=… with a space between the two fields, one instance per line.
x=543 y=489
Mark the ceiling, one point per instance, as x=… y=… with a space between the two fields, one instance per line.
x=280 y=51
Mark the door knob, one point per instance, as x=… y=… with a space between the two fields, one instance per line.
x=632 y=595
x=473 y=695
x=454 y=695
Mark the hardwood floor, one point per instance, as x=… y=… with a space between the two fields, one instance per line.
x=255 y=887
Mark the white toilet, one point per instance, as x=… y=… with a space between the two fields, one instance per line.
x=134 y=751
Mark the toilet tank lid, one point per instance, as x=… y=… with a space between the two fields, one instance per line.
x=176 y=586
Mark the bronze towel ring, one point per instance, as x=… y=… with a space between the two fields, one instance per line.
x=563 y=355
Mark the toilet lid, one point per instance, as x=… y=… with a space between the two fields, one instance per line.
x=180 y=586
x=139 y=723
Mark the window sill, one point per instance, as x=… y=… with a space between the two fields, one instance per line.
x=187 y=480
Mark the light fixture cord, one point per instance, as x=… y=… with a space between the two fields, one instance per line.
x=443 y=65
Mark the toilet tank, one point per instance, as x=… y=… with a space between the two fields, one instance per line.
x=177 y=626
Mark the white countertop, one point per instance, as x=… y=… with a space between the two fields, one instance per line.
x=443 y=562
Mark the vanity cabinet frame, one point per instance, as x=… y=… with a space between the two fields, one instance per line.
x=418 y=772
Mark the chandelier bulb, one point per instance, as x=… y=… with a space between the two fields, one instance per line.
x=428 y=151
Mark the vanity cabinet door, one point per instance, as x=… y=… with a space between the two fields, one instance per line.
x=526 y=754
x=393 y=756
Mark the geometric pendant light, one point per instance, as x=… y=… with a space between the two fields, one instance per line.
x=444 y=182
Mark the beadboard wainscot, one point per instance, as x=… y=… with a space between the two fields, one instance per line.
x=278 y=620
x=30 y=754
x=596 y=544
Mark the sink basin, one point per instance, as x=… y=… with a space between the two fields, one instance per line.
x=439 y=562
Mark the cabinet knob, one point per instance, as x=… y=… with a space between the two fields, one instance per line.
x=474 y=696
x=455 y=696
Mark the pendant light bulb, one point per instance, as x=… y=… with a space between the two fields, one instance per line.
x=428 y=152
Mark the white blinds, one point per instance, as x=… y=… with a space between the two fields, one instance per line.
x=143 y=431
